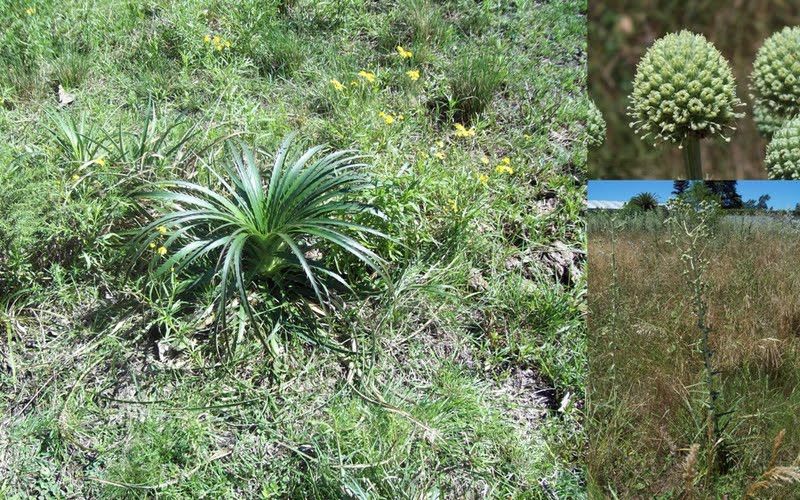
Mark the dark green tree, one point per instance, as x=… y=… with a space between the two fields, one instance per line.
x=679 y=187
x=644 y=202
x=726 y=191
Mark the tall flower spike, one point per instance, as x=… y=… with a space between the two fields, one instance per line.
x=783 y=152
x=775 y=81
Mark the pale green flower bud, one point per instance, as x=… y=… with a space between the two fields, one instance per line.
x=775 y=81
x=683 y=87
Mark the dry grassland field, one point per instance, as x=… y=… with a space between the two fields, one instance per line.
x=648 y=428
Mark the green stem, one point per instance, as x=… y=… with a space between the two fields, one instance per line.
x=691 y=156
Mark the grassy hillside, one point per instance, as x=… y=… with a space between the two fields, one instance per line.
x=648 y=426
x=458 y=372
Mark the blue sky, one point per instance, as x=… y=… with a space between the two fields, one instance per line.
x=783 y=194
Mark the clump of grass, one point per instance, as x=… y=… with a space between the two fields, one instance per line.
x=471 y=85
x=277 y=52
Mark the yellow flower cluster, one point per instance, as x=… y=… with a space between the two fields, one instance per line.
x=405 y=54
x=453 y=205
x=219 y=43
x=388 y=119
x=30 y=11
x=462 y=131
x=367 y=75
x=100 y=161
x=504 y=167
x=413 y=74
x=338 y=85
x=160 y=250
x=483 y=179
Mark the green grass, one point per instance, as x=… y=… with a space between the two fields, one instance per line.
x=447 y=382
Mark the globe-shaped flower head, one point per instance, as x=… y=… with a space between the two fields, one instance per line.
x=595 y=126
x=775 y=81
x=684 y=88
x=783 y=151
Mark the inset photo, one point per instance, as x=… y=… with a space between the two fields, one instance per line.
x=694 y=339
x=706 y=90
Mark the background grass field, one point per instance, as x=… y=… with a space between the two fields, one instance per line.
x=620 y=31
x=468 y=373
x=645 y=391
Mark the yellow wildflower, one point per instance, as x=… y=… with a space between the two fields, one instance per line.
x=387 y=118
x=30 y=11
x=227 y=44
x=453 y=205
x=216 y=39
x=462 y=131
x=337 y=84
x=367 y=75
x=506 y=160
x=504 y=168
x=162 y=251
x=152 y=244
x=483 y=179
x=162 y=229
x=75 y=177
x=207 y=39
x=485 y=160
x=405 y=54
x=440 y=144
x=101 y=162
x=413 y=74
x=440 y=155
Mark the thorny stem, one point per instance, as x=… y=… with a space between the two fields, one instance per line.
x=690 y=236
x=692 y=159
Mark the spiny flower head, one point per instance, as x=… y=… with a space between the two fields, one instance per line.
x=683 y=86
x=595 y=126
x=783 y=151
x=775 y=81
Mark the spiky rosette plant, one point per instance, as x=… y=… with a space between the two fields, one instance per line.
x=595 y=126
x=684 y=91
x=783 y=152
x=245 y=229
x=775 y=81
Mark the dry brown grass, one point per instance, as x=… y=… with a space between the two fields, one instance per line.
x=645 y=377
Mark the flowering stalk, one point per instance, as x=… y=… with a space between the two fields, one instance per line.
x=690 y=228
x=691 y=157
